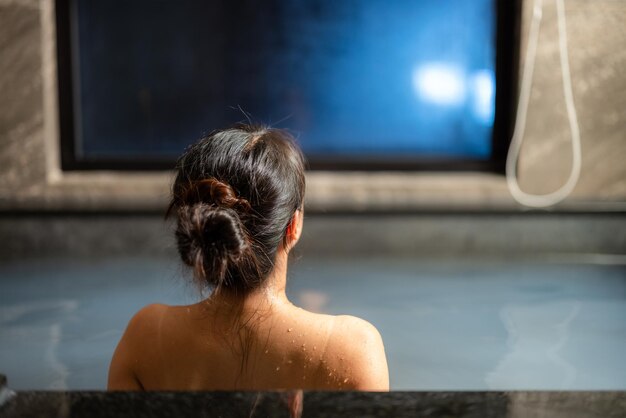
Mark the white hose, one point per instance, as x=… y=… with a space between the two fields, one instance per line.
x=559 y=195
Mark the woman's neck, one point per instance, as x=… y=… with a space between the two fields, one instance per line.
x=271 y=295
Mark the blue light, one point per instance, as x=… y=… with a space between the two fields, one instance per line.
x=483 y=96
x=440 y=83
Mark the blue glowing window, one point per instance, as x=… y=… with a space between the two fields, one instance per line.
x=365 y=81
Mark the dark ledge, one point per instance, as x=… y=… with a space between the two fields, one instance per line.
x=314 y=404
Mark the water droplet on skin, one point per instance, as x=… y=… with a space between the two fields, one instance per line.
x=267 y=351
x=330 y=374
x=345 y=380
x=289 y=362
x=314 y=347
x=278 y=368
x=290 y=329
x=293 y=341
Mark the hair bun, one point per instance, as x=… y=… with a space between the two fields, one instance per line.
x=235 y=193
x=212 y=190
x=210 y=239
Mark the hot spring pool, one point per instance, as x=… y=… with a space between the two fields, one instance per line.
x=447 y=324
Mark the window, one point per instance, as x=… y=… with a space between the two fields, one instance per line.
x=367 y=84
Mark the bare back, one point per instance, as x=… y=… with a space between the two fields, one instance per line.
x=238 y=199
x=197 y=348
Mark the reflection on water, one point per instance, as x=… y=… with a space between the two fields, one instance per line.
x=536 y=336
x=52 y=359
x=449 y=325
x=29 y=322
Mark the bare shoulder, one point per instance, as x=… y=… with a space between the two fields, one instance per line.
x=361 y=352
x=147 y=318
x=356 y=327
x=358 y=335
x=131 y=350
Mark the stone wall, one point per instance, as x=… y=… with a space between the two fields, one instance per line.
x=564 y=237
x=30 y=177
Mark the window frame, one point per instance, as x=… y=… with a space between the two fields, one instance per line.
x=508 y=16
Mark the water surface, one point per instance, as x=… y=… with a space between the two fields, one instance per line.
x=447 y=324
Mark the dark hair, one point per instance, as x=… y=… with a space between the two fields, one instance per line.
x=234 y=195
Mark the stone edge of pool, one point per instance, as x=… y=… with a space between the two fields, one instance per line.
x=315 y=404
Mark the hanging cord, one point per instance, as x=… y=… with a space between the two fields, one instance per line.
x=559 y=195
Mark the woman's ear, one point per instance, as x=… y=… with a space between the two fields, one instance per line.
x=294 y=229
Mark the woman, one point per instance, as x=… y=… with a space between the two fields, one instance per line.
x=237 y=199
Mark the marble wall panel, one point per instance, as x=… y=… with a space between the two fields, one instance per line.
x=22 y=155
x=596 y=37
